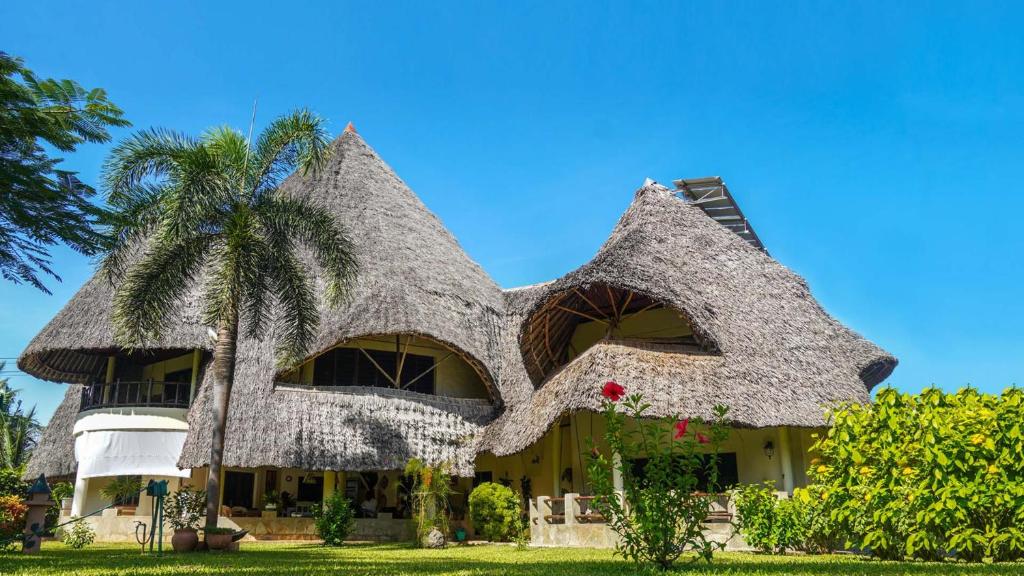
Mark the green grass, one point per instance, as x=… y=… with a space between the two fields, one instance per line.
x=256 y=559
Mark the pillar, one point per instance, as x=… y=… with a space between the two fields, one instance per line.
x=330 y=477
x=78 y=500
x=617 y=483
x=785 y=460
x=556 y=459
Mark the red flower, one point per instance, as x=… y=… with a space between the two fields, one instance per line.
x=702 y=438
x=613 y=391
x=681 y=428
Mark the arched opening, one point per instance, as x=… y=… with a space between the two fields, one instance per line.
x=404 y=362
x=570 y=322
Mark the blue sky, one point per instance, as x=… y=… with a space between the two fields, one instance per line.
x=876 y=148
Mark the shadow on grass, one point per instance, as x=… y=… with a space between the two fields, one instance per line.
x=389 y=559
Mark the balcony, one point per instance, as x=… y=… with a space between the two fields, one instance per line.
x=125 y=394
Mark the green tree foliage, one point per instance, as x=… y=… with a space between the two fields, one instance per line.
x=928 y=475
x=334 y=519
x=495 y=511
x=40 y=204
x=773 y=525
x=19 y=429
x=11 y=483
x=208 y=211
x=661 y=514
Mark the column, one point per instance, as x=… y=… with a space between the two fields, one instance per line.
x=196 y=355
x=330 y=477
x=785 y=460
x=556 y=459
x=617 y=483
x=78 y=500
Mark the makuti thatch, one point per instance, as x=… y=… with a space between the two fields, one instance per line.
x=413 y=278
x=73 y=347
x=54 y=455
x=780 y=361
x=772 y=354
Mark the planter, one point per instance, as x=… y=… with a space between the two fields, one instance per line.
x=218 y=541
x=185 y=540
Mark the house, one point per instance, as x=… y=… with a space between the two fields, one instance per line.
x=431 y=359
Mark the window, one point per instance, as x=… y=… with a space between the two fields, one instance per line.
x=238 y=488
x=311 y=489
x=351 y=367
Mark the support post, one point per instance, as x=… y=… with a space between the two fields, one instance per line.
x=556 y=459
x=196 y=355
x=330 y=477
x=617 y=483
x=785 y=460
x=81 y=489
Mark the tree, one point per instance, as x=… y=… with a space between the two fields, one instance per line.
x=208 y=211
x=40 y=204
x=19 y=429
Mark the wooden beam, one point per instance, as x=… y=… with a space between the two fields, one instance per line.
x=428 y=370
x=592 y=305
x=401 y=360
x=583 y=314
x=629 y=298
x=377 y=366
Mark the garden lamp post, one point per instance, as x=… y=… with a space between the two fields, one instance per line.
x=38 y=501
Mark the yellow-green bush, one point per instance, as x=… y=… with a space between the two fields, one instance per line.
x=927 y=475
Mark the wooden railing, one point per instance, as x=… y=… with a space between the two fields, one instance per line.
x=146 y=393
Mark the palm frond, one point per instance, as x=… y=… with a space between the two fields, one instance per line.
x=154 y=285
x=147 y=153
x=297 y=141
x=297 y=315
x=313 y=225
x=132 y=218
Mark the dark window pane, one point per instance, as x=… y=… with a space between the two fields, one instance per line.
x=323 y=369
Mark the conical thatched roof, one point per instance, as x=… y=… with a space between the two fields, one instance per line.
x=414 y=278
x=54 y=455
x=73 y=346
x=781 y=359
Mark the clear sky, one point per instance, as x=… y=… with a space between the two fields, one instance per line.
x=876 y=148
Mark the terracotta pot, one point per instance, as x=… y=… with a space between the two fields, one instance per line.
x=218 y=541
x=185 y=540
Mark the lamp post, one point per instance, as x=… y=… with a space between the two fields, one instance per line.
x=38 y=501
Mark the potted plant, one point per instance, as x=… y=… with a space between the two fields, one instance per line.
x=122 y=490
x=218 y=538
x=271 y=502
x=183 y=511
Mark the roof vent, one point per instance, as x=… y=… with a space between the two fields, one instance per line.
x=711 y=195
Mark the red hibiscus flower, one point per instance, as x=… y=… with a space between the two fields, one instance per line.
x=681 y=428
x=702 y=438
x=613 y=391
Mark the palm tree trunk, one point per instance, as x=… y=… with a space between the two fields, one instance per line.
x=223 y=377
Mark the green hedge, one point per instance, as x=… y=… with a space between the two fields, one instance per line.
x=928 y=475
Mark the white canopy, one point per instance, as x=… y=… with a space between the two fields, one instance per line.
x=129 y=453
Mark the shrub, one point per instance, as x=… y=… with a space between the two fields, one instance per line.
x=185 y=508
x=772 y=525
x=122 y=489
x=12 y=520
x=927 y=475
x=334 y=519
x=494 y=509
x=58 y=492
x=11 y=483
x=757 y=510
x=77 y=535
x=661 y=514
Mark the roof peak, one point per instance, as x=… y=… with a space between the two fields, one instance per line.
x=351 y=128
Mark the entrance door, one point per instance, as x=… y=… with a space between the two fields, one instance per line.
x=238 y=488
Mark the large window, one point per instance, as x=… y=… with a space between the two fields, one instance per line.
x=355 y=367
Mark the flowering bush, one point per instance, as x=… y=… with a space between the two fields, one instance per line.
x=12 y=519
x=927 y=475
x=660 y=514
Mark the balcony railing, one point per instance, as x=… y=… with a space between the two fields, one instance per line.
x=148 y=393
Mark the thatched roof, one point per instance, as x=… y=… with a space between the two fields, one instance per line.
x=414 y=278
x=762 y=344
x=780 y=358
x=73 y=346
x=54 y=455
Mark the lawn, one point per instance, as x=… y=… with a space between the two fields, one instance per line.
x=299 y=558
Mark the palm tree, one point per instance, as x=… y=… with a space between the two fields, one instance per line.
x=19 y=429
x=208 y=211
